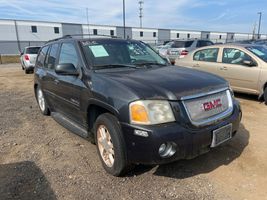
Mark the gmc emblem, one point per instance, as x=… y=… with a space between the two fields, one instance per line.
x=212 y=104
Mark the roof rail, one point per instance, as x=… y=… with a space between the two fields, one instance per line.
x=77 y=35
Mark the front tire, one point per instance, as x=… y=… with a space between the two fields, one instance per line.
x=41 y=101
x=265 y=95
x=110 y=144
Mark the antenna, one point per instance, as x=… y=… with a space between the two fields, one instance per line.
x=141 y=15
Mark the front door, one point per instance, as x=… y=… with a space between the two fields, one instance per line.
x=68 y=89
x=241 y=76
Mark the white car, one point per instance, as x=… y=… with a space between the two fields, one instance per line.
x=28 y=58
x=180 y=48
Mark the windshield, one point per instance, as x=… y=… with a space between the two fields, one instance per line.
x=110 y=53
x=32 y=50
x=260 y=51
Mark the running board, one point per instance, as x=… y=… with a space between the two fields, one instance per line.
x=70 y=125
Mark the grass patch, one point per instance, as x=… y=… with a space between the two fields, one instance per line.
x=4 y=59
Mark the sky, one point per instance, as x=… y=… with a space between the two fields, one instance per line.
x=212 y=15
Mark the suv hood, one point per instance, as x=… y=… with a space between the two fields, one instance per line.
x=170 y=82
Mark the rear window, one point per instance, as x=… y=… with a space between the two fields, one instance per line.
x=181 y=44
x=32 y=50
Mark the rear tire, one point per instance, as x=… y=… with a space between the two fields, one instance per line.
x=110 y=144
x=41 y=101
x=27 y=71
x=265 y=95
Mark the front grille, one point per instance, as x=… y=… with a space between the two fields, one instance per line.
x=209 y=108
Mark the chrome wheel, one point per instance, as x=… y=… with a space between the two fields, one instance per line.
x=41 y=100
x=105 y=145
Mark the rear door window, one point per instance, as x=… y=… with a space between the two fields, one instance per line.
x=52 y=56
x=207 y=55
x=42 y=56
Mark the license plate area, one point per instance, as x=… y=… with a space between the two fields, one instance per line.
x=221 y=135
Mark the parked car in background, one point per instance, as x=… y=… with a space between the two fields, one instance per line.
x=127 y=99
x=243 y=65
x=180 y=48
x=261 y=42
x=28 y=58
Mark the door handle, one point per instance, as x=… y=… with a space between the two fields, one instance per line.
x=56 y=81
x=223 y=68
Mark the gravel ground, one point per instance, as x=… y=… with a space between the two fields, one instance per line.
x=39 y=159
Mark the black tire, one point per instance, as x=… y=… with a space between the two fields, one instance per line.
x=27 y=71
x=120 y=165
x=43 y=108
x=22 y=67
x=265 y=95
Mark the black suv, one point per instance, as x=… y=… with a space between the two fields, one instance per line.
x=136 y=107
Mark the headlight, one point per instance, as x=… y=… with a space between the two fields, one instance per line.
x=151 y=112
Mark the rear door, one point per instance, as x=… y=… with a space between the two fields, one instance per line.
x=67 y=88
x=206 y=60
x=242 y=77
x=50 y=78
x=41 y=70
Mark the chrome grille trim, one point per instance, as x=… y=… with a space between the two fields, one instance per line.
x=204 y=94
x=215 y=118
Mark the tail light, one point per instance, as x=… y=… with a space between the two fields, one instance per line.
x=184 y=53
x=26 y=57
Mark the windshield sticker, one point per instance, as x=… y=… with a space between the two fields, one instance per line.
x=257 y=52
x=99 y=51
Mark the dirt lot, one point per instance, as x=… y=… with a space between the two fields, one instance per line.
x=40 y=159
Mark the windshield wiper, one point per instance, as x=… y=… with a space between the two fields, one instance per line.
x=110 y=66
x=150 y=63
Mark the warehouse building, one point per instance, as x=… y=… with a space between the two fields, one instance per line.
x=17 y=34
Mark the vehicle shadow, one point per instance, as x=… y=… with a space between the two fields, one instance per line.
x=24 y=180
x=222 y=155
x=250 y=97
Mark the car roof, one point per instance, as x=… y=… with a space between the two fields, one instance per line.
x=91 y=38
x=230 y=45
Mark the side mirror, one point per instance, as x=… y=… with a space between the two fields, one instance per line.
x=249 y=63
x=66 y=69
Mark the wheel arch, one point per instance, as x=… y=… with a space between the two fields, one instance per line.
x=95 y=108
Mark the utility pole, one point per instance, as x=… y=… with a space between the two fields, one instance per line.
x=141 y=2
x=254 y=30
x=17 y=36
x=259 y=27
x=124 y=28
x=87 y=16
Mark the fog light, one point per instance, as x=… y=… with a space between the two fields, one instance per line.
x=162 y=148
x=167 y=150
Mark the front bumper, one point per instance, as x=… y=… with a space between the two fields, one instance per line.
x=190 y=141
